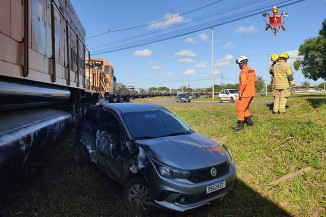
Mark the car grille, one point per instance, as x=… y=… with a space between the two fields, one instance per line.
x=204 y=174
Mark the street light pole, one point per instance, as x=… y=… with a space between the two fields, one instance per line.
x=266 y=74
x=213 y=90
x=182 y=82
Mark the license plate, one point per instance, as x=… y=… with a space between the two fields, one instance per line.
x=215 y=186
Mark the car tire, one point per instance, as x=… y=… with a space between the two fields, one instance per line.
x=219 y=100
x=231 y=99
x=137 y=193
x=81 y=154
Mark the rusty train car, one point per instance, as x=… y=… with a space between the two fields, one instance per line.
x=44 y=82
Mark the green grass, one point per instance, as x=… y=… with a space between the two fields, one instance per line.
x=275 y=146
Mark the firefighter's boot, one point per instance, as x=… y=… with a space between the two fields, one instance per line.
x=248 y=121
x=239 y=127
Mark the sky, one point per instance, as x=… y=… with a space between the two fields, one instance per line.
x=187 y=60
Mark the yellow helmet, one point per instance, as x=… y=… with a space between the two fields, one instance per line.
x=275 y=10
x=284 y=55
x=274 y=57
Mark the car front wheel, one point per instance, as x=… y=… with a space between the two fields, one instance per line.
x=232 y=99
x=137 y=193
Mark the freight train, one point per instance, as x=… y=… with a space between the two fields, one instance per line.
x=47 y=78
x=44 y=81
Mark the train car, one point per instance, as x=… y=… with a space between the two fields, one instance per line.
x=100 y=74
x=43 y=84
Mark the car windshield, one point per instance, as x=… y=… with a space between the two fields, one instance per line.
x=233 y=91
x=182 y=95
x=153 y=124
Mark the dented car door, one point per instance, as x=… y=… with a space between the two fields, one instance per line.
x=108 y=145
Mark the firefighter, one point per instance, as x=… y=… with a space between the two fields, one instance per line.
x=274 y=58
x=283 y=79
x=247 y=80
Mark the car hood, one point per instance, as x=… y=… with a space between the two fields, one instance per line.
x=191 y=151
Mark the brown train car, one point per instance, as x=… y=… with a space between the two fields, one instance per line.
x=43 y=85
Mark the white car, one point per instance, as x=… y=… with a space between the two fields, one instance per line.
x=228 y=95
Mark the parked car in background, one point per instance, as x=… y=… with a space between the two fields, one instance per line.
x=182 y=97
x=228 y=95
x=155 y=155
x=192 y=96
x=208 y=95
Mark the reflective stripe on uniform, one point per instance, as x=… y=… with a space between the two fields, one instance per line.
x=280 y=75
x=289 y=72
x=281 y=86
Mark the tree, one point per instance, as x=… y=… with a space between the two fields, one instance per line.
x=322 y=85
x=313 y=65
x=152 y=88
x=305 y=84
x=163 y=89
x=259 y=84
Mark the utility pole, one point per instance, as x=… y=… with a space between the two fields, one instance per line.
x=324 y=85
x=222 y=80
x=182 y=82
x=213 y=90
x=266 y=74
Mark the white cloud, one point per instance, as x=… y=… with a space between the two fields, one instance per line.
x=201 y=65
x=150 y=62
x=248 y=30
x=227 y=45
x=168 y=20
x=189 y=72
x=217 y=72
x=186 y=60
x=203 y=37
x=294 y=55
x=168 y=73
x=143 y=53
x=156 y=67
x=185 y=53
x=225 y=61
x=192 y=41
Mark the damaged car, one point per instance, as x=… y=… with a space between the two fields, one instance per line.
x=156 y=156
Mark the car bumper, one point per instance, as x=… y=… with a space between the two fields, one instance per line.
x=182 y=195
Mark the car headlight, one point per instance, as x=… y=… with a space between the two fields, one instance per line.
x=171 y=172
x=230 y=157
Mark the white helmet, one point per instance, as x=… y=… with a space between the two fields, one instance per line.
x=242 y=60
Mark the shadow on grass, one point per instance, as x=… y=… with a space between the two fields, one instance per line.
x=316 y=102
x=53 y=185
x=271 y=105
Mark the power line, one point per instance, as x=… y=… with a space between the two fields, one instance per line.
x=193 y=20
x=134 y=26
x=198 y=28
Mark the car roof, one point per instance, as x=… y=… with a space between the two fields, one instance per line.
x=134 y=107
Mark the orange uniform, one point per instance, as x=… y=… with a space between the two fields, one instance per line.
x=247 y=79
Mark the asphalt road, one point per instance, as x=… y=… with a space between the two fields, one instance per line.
x=171 y=101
